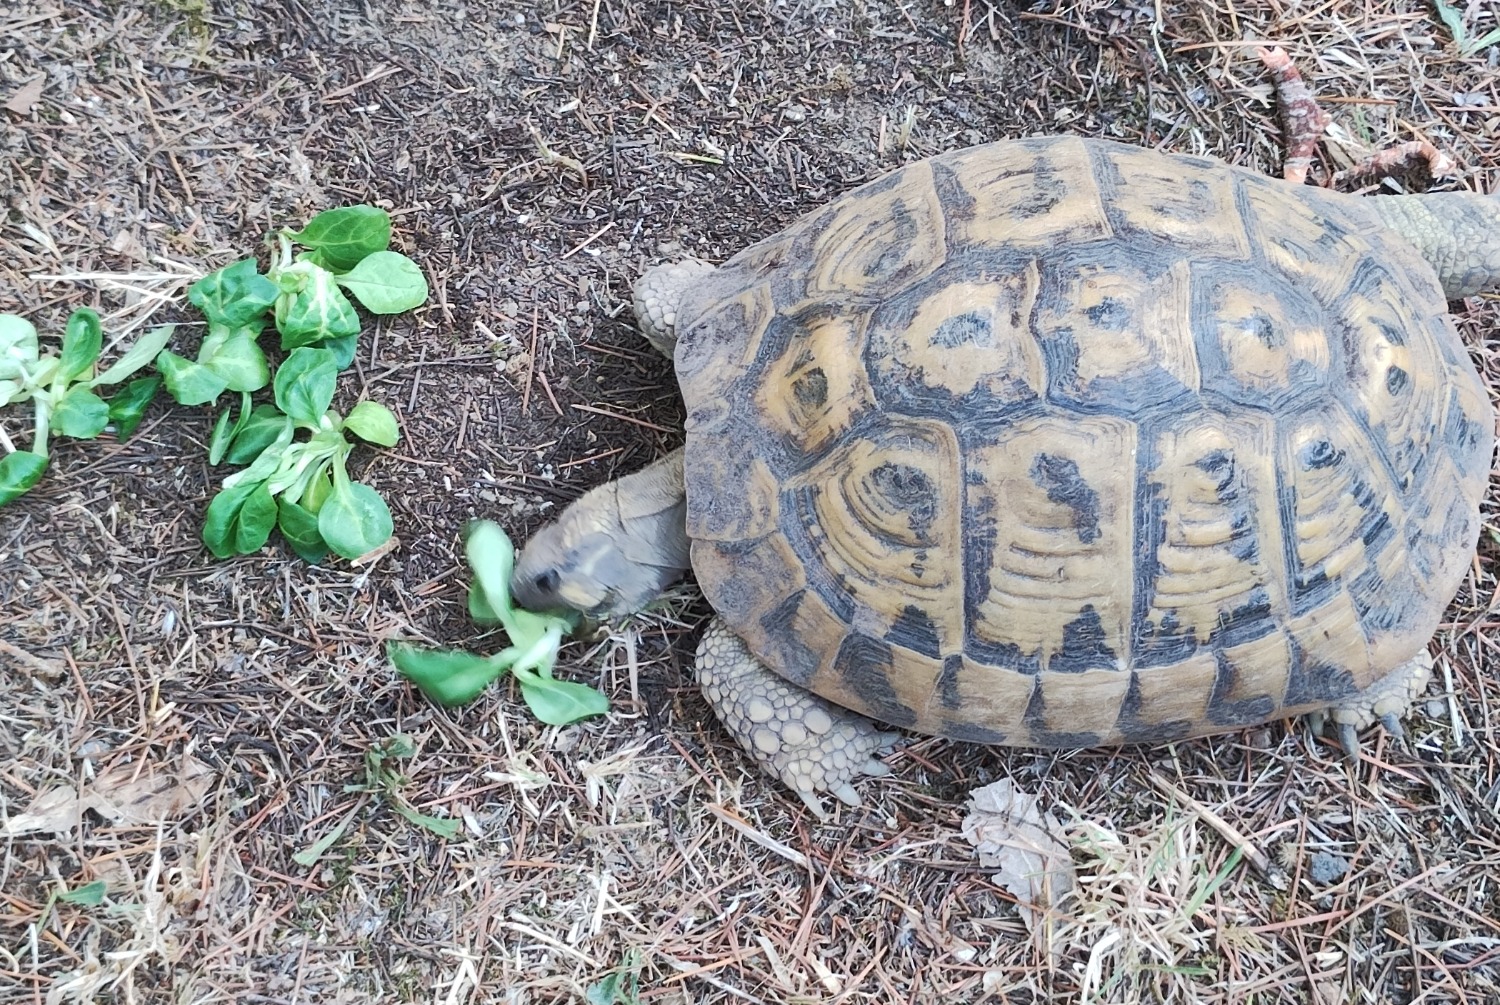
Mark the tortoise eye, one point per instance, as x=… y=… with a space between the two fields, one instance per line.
x=547 y=582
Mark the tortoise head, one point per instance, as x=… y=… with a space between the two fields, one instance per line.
x=612 y=551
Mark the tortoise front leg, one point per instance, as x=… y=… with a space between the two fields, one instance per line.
x=809 y=743
x=1384 y=701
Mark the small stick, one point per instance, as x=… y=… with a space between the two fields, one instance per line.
x=1252 y=854
x=1397 y=160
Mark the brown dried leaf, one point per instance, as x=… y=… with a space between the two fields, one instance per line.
x=126 y=794
x=30 y=93
x=1023 y=844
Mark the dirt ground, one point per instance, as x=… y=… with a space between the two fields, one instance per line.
x=535 y=158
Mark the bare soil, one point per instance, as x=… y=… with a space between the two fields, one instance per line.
x=536 y=158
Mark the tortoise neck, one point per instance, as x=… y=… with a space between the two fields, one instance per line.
x=1457 y=232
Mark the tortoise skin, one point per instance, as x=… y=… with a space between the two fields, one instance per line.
x=1061 y=442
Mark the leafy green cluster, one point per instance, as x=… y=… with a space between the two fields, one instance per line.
x=453 y=677
x=299 y=486
x=302 y=294
x=63 y=390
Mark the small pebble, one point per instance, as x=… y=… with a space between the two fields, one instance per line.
x=1325 y=869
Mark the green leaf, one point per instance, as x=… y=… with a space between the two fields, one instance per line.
x=386 y=282
x=373 y=423
x=300 y=528
x=354 y=520
x=305 y=383
x=445 y=827
x=492 y=557
x=345 y=235
x=87 y=895
x=235 y=295
x=447 y=677
x=222 y=436
x=559 y=702
x=19 y=348
x=316 y=312
x=187 y=382
x=237 y=359
x=343 y=348
x=81 y=414
x=265 y=426
x=146 y=348
x=239 y=519
x=128 y=405
x=19 y=471
x=82 y=340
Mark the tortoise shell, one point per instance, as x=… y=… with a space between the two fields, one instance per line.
x=1061 y=442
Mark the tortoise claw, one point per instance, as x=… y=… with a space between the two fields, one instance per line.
x=1348 y=739
x=1392 y=725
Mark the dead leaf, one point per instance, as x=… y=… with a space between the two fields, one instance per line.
x=126 y=794
x=1022 y=843
x=30 y=93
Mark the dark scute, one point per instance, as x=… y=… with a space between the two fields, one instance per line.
x=1250 y=621
x=793 y=659
x=1393 y=334
x=1002 y=654
x=893 y=256
x=1162 y=645
x=1223 y=711
x=1053 y=739
x=1321 y=454
x=970 y=328
x=947 y=685
x=1261 y=327
x=1135 y=729
x=1464 y=436
x=909 y=489
x=968 y=732
x=1047 y=191
x=811 y=388
x=1109 y=314
x=1311 y=588
x=1396 y=380
x=1381 y=608
x=1065 y=485
x=914 y=630
x=1312 y=680
x=1084 y=646
x=1218 y=465
x=865 y=665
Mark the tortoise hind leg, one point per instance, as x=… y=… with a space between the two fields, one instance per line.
x=1385 y=702
x=809 y=743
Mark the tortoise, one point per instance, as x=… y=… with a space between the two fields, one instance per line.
x=1056 y=442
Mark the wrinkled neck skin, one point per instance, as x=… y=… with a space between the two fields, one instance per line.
x=612 y=551
x=1457 y=232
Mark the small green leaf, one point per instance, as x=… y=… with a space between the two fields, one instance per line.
x=559 y=702
x=386 y=282
x=447 y=677
x=19 y=348
x=345 y=235
x=87 y=895
x=19 y=471
x=128 y=405
x=316 y=312
x=300 y=528
x=373 y=423
x=146 y=348
x=223 y=435
x=234 y=295
x=265 y=426
x=81 y=414
x=445 y=827
x=187 y=382
x=354 y=520
x=343 y=348
x=239 y=519
x=237 y=359
x=82 y=340
x=305 y=383
x=492 y=557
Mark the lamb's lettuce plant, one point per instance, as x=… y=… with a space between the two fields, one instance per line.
x=64 y=387
x=453 y=677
